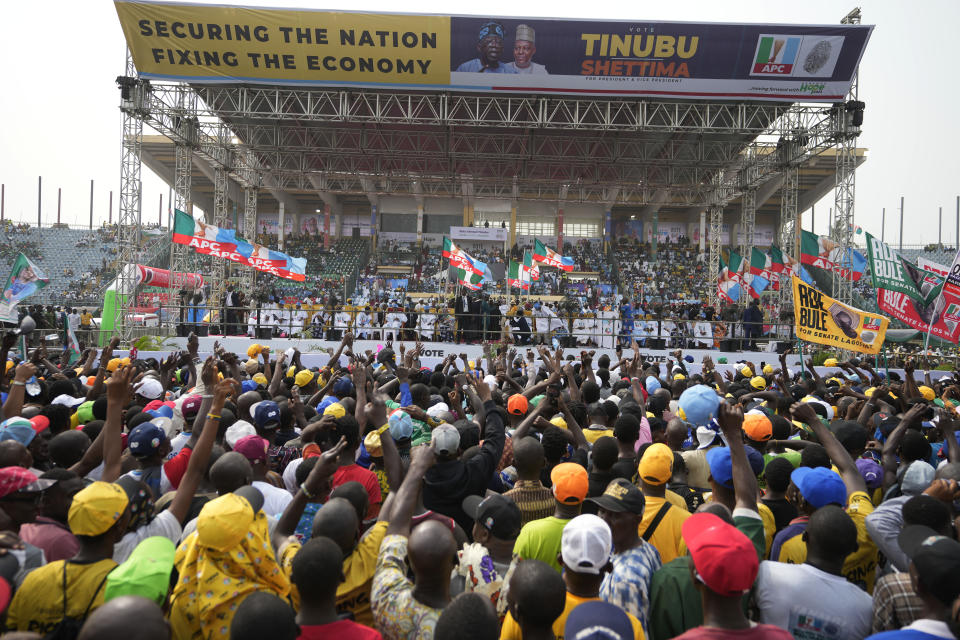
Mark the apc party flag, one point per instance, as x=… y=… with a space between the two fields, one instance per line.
x=752 y=284
x=25 y=279
x=762 y=265
x=460 y=258
x=825 y=253
x=469 y=279
x=821 y=319
x=211 y=240
x=518 y=276
x=890 y=271
x=549 y=257
x=727 y=287
x=72 y=345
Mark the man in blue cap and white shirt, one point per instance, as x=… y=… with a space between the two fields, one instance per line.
x=490 y=48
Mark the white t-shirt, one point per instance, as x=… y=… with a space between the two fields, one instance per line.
x=812 y=604
x=165 y=485
x=164 y=525
x=275 y=500
x=290 y=474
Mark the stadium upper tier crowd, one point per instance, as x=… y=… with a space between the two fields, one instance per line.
x=524 y=495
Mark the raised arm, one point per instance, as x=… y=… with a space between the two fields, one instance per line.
x=888 y=456
x=803 y=412
x=405 y=502
x=119 y=393
x=745 y=487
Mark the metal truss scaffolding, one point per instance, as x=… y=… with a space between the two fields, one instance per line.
x=748 y=219
x=849 y=118
x=186 y=125
x=248 y=276
x=128 y=228
x=716 y=227
x=218 y=285
x=787 y=238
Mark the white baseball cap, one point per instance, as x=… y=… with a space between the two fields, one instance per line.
x=445 y=440
x=586 y=544
x=237 y=430
x=149 y=388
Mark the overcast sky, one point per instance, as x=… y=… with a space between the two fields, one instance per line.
x=60 y=117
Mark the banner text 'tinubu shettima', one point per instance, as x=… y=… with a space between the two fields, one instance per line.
x=634 y=53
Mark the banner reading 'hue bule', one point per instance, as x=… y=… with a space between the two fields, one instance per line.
x=823 y=320
x=687 y=60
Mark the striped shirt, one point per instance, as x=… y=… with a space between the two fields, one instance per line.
x=895 y=604
x=628 y=585
x=534 y=499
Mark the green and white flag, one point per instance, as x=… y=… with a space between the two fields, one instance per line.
x=892 y=272
x=70 y=342
x=25 y=279
x=469 y=279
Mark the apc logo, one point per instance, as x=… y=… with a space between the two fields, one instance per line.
x=776 y=55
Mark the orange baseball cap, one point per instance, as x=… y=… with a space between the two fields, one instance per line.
x=570 y=483
x=757 y=426
x=517 y=404
x=656 y=465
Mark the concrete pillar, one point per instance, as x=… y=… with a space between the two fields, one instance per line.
x=703 y=231
x=282 y=220
x=607 y=228
x=513 y=224
x=326 y=226
x=373 y=225
x=560 y=229
x=420 y=224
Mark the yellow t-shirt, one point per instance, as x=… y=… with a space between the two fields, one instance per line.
x=38 y=604
x=511 y=630
x=860 y=567
x=592 y=435
x=676 y=500
x=666 y=538
x=769 y=526
x=353 y=594
x=86 y=319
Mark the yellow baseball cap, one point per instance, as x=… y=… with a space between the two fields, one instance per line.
x=746 y=372
x=259 y=378
x=291 y=371
x=96 y=508
x=767 y=370
x=656 y=465
x=303 y=377
x=758 y=382
x=224 y=521
x=679 y=376
x=254 y=350
x=559 y=422
x=113 y=364
x=927 y=393
x=335 y=409
x=830 y=362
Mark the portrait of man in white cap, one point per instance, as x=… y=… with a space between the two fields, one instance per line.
x=524 y=47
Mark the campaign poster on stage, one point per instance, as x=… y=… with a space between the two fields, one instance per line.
x=824 y=320
x=302 y=47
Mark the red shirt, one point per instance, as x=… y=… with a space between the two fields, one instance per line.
x=356 y=473
x=176 y=467
x=56 y=540
x=341 y=630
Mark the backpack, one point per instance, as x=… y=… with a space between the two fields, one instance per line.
x=69 y=627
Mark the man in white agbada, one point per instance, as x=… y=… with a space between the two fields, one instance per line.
x=341 y=323
x=608 y=327
x=393 y=321
x=363 y=324
x=427 y=321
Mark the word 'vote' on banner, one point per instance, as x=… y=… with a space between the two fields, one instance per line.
x=824 y=320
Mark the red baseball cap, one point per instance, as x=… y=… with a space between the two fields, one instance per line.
x=40 y=423
x=253 y=448
x=724 y=558
x=517 y=404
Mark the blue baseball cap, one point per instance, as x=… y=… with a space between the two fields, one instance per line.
x=266 y=414
x=598 y=620
x=248 y=385
x=163 y=411
x=651 y=384
x=342 y=387
x=326 y=402
x=721 y=466
x=18 y=429
x=699 y=404
x=401 y=424
x=145 y=439
x=819 y=486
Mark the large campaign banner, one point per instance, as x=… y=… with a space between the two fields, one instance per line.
x=824 y=320
x=224 y=243
x=229 y=44
x=941 y=317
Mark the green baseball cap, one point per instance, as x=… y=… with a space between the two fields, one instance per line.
x=145 y=573
x=535 y=400
x=85 y=412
